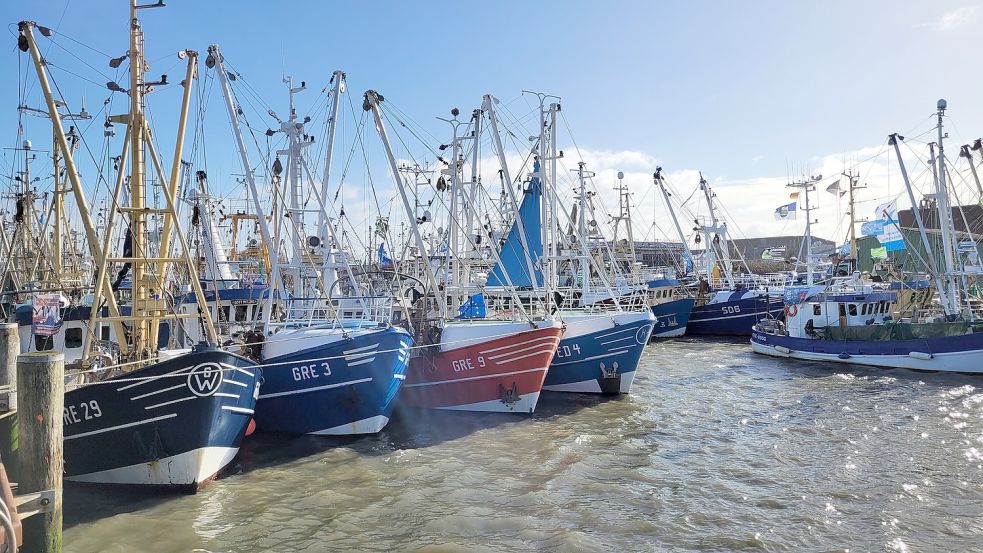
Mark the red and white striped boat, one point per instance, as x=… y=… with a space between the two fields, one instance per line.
x=483 y=365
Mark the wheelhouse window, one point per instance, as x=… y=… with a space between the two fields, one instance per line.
x=853 y=310
x=44 y=343
x=817 y=310
x=73 y=338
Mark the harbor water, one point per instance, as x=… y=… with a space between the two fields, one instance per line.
x=716 y=449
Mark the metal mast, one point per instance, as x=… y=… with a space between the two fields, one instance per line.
x=659 y=180
x=215 y=60
x=948 y=308
x=945 y=214
x=338 y=80
x=371 y=103
x=806 y=186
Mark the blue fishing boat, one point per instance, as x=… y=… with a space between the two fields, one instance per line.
x=332 y=380
x=734 y=313
x=334 y=364
x=173 y=423
x=672 y=309
x=599 y=351
x=672 y=318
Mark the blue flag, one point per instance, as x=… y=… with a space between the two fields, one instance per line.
x=383 y=258
x=474 y=308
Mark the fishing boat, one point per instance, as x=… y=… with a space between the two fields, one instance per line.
x=855 y=323
x=724 y=304
x=141 y=414
x=469 y=362
x=335 y=364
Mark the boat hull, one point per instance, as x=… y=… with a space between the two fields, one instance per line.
x=672 y=318
x=501 y=374
x=174 y=423
x=949 y=354
x=336 y=384
x=733 y=318
x=599 y=353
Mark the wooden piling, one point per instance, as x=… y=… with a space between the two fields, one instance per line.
x=9 y=350
x=41 y=402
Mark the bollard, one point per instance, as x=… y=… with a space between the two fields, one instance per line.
x=41 y=401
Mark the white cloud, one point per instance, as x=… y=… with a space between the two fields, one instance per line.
x=953 y=19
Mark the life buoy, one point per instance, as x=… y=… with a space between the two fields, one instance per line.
x=791 y=310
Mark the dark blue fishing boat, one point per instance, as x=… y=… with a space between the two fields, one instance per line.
x=173 y=423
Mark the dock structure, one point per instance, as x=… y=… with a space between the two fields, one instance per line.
x=41 y=400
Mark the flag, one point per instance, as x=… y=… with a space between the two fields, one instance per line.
x=793 y=196
x=783 y=212
x=769 y=254
x=835 y=189
x=47 y=315
x=891 y=237
x=878 y=253
x=474 y=308
x=383 y=258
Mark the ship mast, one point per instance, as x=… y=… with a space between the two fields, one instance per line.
x=660 y=180
x=806 y=186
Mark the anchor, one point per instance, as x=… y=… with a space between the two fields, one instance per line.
x=509 y=396
x=610 y=381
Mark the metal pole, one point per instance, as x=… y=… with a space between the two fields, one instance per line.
x=932 y=268
x=372 y=100
x=216 y=58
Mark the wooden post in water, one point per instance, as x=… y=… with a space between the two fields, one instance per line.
x=9 y=350
x=41 y=402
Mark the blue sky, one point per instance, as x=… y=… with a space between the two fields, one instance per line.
x=739 y=90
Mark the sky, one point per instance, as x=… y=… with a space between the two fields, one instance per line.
x=751 y=94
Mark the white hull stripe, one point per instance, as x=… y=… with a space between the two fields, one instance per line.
x=599 y=336
x=356 y=350
x=192 y=467
x=762 y=314
x=372 y=351
x=611 y=353
x=235 y=382
x=235 y=409
x=315 y=389
x=399 y=376
x=533 y=354
x=162 y=390
x=223 y=394
x=169 y=402
x=525 y=405
x=240 y=369
x=469 y=378
x=361 y=361
x=507 y=354
x=370 y=425
x=128 y=386
x=121 y=426
x=618 y=340
x=533 y=341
